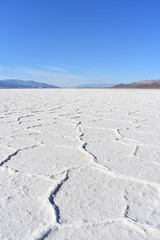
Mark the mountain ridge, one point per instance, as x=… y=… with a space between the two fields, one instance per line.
x=147 y=84
x=17 y=83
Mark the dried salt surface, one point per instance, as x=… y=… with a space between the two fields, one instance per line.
x=79 y=164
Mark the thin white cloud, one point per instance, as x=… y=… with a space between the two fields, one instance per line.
x=56 y=69
x=60 y=78
x=56 y=76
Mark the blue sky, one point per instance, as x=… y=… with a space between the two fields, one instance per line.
x=73 y=42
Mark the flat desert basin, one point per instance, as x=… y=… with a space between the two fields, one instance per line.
x=79 y=164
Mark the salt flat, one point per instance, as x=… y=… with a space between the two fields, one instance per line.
x=79 y=164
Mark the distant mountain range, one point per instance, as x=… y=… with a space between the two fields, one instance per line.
x=16 y=83
x=93 y=85
x=154 y=84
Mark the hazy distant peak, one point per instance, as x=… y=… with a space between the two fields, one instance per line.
x=94 y=85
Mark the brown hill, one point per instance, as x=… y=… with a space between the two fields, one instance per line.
x=154 y=84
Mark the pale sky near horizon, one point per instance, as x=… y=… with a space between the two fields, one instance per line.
x=74 y=42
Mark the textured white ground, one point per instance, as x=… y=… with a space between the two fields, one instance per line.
x=79 y=164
